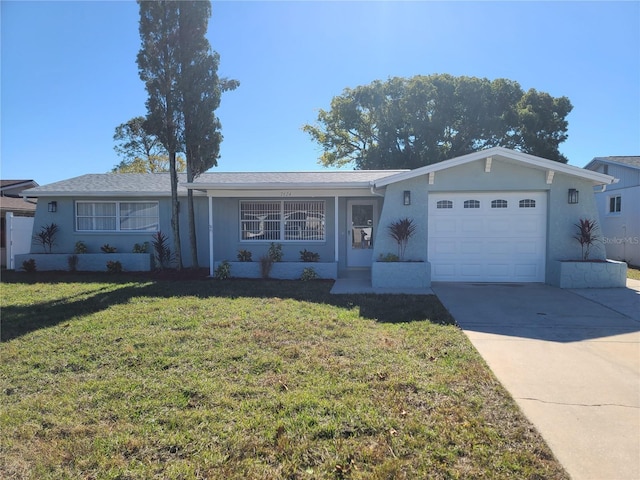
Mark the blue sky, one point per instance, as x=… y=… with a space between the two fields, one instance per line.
x=69 y=75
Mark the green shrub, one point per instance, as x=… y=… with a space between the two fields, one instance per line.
x=275 y=252
x=29 y=266
x=141 y=247
x=80 y=247
x=114 y=266
x=244 y=256
x=307 y=256
x=309 y=274
x=389 y=257
x=106 y=248
x=223 y=271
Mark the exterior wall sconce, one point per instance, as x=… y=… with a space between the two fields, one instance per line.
x=53 y=207
x=406 y=198
x=573 y=195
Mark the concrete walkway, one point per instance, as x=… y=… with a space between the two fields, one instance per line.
x=570 y=359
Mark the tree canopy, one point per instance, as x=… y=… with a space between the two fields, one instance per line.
x=417 y=121
x=140 y=151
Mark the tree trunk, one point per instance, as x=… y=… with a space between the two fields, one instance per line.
x=193 y=242
x=175 y=211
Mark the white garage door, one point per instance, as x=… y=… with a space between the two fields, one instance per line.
x=487 y=237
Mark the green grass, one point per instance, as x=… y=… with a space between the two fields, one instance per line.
x=633 y=272
x=120 y=377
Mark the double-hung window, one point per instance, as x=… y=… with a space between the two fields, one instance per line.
x=282 y=220
x=117 y=216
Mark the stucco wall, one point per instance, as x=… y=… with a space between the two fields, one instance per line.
x=505 y=176
x=123 y=241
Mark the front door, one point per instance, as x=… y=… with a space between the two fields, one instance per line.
x=361 y=228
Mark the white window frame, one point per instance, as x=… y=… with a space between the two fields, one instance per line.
x=284 y=228
x=444 y=204
x=527 y=203
x=499 y=203
x=118 y=218
x=471 y=203
x=617 y=200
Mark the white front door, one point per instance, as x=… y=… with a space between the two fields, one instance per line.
x=361 y=228
x=487 y=236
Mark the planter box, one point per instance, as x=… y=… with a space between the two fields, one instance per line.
x=576 y=274
x=87 y=262
x=283 y=270
x=401 y=274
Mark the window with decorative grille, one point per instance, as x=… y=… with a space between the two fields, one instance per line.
x=286 y=220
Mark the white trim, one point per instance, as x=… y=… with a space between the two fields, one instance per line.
x=117 y=217
x=211 y=261
x=336 y=234
x=499 y=153
x=487 y=165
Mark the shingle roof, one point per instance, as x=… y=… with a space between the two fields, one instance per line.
x=158 y=184
x=629 y=161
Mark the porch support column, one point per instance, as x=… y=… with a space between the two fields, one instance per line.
x=336 y=228
x=210 y=235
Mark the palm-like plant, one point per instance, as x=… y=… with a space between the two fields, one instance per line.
x=586 y=235
x=401 y=231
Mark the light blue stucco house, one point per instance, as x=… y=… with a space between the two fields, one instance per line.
x=495 y=215
x=619 y=207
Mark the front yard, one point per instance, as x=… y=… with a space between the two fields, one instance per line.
x=135 y=377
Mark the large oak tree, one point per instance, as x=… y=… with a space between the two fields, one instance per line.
x=412 y=122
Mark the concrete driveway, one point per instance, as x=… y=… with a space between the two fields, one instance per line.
x=571 y=362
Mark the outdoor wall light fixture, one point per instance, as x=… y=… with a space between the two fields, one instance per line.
x=406 y=198
x=53 y=207
x=573 y=195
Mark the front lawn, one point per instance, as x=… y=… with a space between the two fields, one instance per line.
x=633 y=272
x=128 y=377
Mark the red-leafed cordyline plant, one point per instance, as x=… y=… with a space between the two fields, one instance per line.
x=401 y=231
x=586 y=235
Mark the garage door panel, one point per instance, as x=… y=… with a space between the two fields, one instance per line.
x=472 y=248
x=532 y=247
x=498 y=247
x=470 y=225
x=487 y=244
x=497 y=225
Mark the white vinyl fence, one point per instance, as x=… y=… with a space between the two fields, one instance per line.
x=18 y=231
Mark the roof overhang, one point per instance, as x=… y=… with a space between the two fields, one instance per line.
x=608 y=161
x=503 y=154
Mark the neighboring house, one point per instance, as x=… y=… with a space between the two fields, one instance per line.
x=11 y=201
x=619 y=207
x=496 y=215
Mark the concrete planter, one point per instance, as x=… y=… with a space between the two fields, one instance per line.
x=401 y=274
x=88 y=262
x=584 y=274
x=283 y=270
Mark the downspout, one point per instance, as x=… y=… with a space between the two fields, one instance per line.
x=210 y=235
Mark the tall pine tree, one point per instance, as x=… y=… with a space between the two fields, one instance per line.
x=159 y=69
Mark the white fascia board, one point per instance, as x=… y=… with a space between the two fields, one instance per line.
x=506 y=154
x=278 y=186
x=107 y=194
x=284 y=193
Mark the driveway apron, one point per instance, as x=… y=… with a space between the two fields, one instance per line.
x=571 y=363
